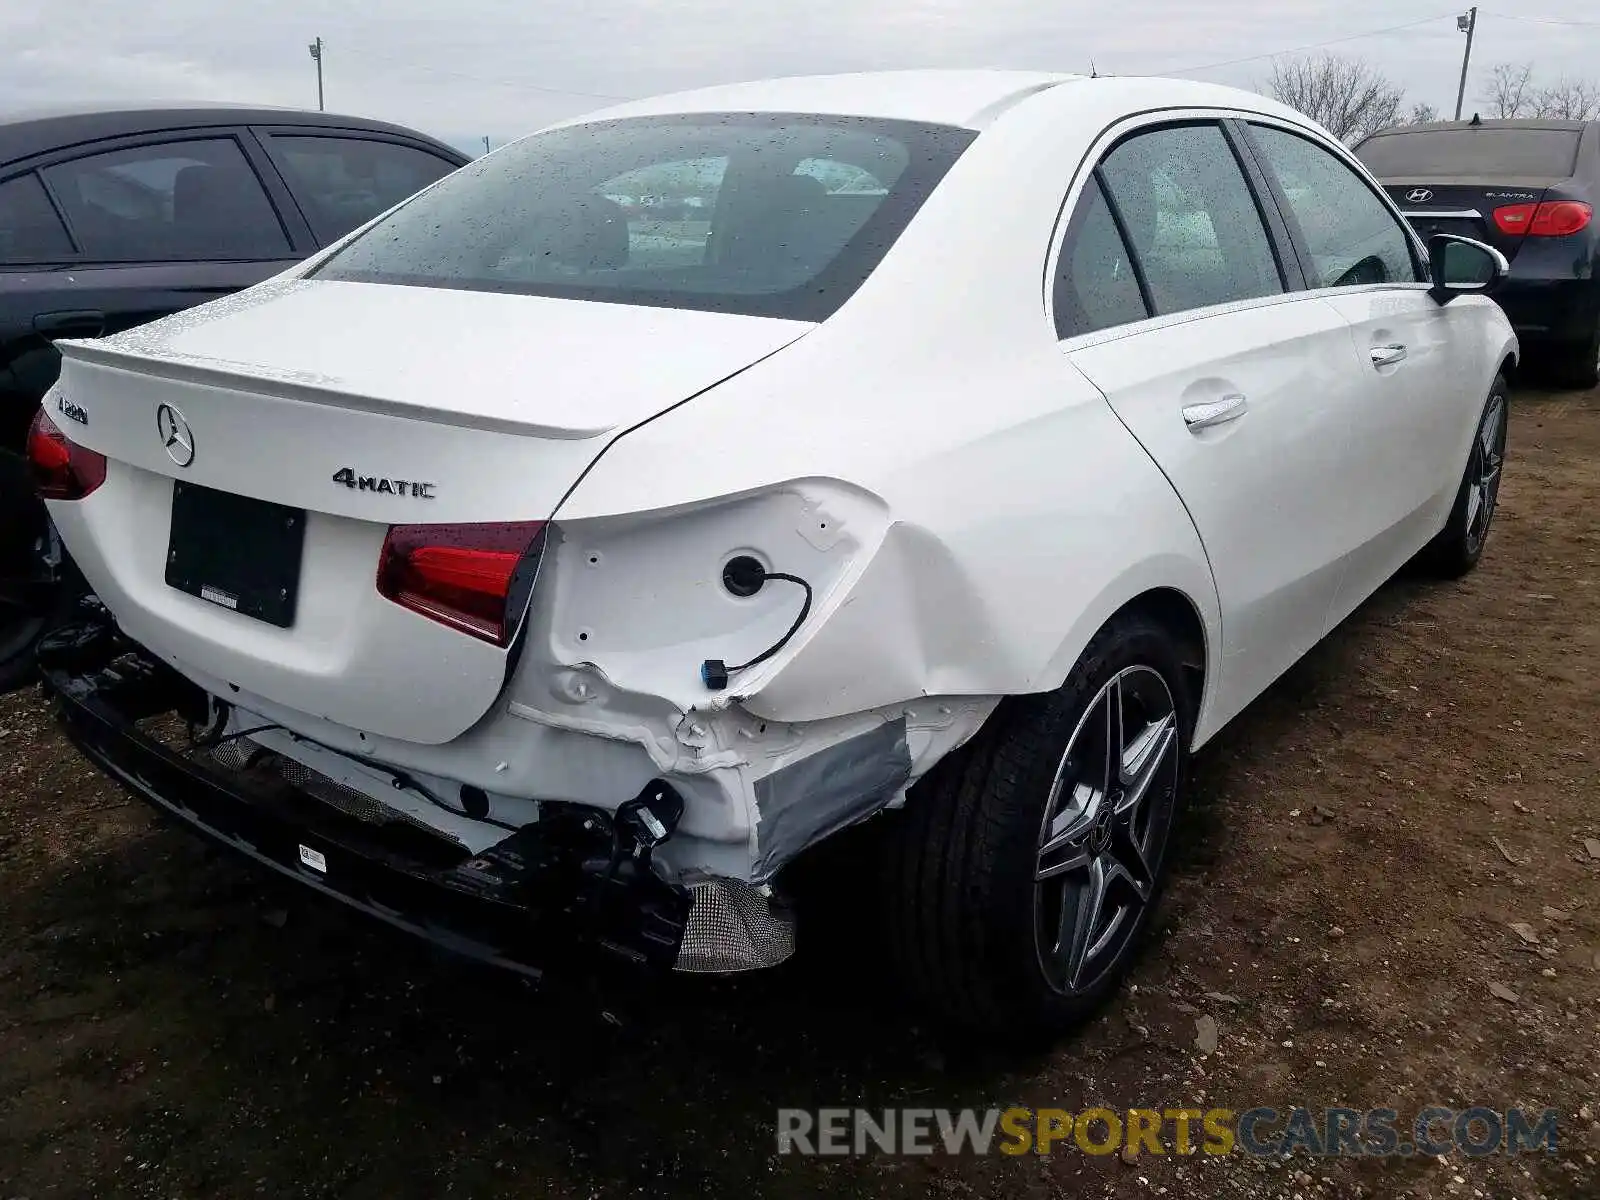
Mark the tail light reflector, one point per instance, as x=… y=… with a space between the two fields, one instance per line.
x=474 y=578
x=1553 y=218
x=62 y=469
x=1514 y=218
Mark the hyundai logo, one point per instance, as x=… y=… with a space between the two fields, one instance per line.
x=1419 y=195
x=175 y=435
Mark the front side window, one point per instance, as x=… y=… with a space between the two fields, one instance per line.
x=1351 y=235
x=175 y=202
x=30 y=231
x=767 y=214
x=342 y=182
x=1190 y=217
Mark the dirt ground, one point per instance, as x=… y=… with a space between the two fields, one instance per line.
x=174 y=1024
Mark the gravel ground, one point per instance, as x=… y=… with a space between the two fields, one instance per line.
x=1364 y=839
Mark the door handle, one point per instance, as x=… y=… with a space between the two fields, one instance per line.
x=1387 y=356
x=1216 y=412
x=78 y=322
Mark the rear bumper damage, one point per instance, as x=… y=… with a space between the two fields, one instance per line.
x=577 y=883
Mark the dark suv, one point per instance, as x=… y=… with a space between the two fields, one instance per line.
x=112 y=218
x=1528 y=188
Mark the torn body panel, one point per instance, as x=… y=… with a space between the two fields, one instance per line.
x=756 y=793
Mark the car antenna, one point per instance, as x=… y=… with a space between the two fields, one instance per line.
x=1476 y=120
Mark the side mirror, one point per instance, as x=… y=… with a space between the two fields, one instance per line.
x=1459 y=265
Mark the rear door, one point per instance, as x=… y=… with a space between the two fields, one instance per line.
x=34 y=244
x=341 y=179
x=1174 y=300
x=153 y=225
x=1357 y=255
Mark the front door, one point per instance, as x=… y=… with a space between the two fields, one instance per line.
x=1360 y=258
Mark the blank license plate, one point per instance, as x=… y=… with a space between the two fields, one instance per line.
x=235 y=552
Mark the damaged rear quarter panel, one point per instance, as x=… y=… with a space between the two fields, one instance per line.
x=986 y=514
x=1009 y=512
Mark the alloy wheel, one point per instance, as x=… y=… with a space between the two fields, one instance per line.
x=1483 y=472
x=1105 y=827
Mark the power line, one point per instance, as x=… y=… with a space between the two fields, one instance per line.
x=1315 y=45
x=1540 y=20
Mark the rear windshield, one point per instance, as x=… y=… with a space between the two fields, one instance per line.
x=769 y=214
x=1472 y=153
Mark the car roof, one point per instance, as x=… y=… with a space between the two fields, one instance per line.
x=969 y=99
x=937 y=97
x=30 y=131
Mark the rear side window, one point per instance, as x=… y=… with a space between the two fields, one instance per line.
x=767 y=214
x=1351 y=235
x=177 y=201
x=1096 y=287
x=1191 y=218
x=344 y=182
x=30 y=230
x=1466 y=153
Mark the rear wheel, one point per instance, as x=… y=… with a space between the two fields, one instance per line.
x=1578 y=366
x=1459 y=545
x=1027 y=866
x=22 y=524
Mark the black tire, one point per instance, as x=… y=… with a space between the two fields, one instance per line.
x=1577 y=366
x=19 y=641
x=964 y=907
x=1460 y=544
x=22 y=523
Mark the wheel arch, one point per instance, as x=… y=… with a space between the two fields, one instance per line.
x=1176 y=613
x=1185 y=603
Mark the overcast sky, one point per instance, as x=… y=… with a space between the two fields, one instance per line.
x=462 y=69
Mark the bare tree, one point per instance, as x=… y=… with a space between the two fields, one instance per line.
x=1346 y=95
x=1569 y=99
x=1420 y=111
x=1510 y=90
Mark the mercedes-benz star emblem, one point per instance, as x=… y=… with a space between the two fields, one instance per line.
x=175 y=435
x=1100 y=832
x=1419 y=195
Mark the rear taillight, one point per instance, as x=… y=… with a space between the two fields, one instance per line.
x=62 y=469
x=475 y=578
x=1557 y=218
x=1553 y=218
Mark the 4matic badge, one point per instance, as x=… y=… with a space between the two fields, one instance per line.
x=386 y=487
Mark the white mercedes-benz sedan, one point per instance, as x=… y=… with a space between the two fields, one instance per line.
x=553 y=563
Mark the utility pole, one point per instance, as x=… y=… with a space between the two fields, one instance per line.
x=316 y=53
x=1466 y=23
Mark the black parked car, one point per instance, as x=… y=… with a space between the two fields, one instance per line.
x=1528 y=188
x=110 y=218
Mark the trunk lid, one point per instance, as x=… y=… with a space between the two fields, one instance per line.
x=1466 y=209
x=338 y=400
